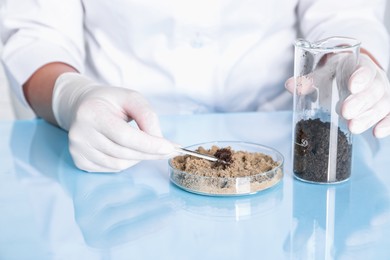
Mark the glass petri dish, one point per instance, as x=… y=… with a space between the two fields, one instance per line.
x=229 y=186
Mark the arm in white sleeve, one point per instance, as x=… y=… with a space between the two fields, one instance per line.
x=360 y=19
x=36 y=33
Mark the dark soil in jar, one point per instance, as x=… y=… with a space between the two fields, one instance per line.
x=311 y=152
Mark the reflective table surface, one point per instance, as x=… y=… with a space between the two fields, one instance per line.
x=51 y=210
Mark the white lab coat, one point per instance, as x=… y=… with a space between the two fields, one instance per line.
x=184 y=56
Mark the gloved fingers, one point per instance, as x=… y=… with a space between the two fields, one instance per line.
x=92 y=167
x=290 y=85
x=122 y=103
x=92 y=160
x=370 y=117
x=110 y=148
x=362 y=101
x=362 y=77
x=304 y=85
x=85 y=164
x=137 y=108
x=123 y=134
x=382 y=129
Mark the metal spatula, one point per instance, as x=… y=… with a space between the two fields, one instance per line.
x=199 y=155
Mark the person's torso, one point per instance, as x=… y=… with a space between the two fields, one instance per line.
x=194 y=56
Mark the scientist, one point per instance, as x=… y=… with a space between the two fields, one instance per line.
x=91 y=66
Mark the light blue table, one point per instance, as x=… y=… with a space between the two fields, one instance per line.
x=51 y=210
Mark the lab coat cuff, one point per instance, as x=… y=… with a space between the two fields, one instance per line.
x=21 y=64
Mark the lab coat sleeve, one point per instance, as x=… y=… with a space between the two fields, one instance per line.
x=38 y=32
x=360 y=19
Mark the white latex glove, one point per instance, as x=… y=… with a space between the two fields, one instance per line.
x=97 y=116
x=369 y=103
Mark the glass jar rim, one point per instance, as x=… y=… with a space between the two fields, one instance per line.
x=327 y=44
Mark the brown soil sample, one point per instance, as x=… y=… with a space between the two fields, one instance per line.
x=240 y=174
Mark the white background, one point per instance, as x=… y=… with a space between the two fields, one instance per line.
x=7 y=111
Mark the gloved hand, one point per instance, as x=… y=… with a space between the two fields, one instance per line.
x=97 y=116
x=369 y=102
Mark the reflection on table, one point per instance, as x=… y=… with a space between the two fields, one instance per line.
x=53 y=210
